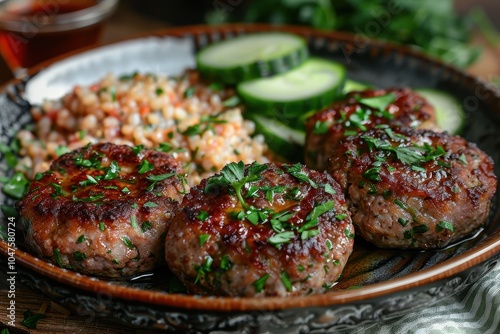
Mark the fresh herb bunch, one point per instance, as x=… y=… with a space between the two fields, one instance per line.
x=432 y=26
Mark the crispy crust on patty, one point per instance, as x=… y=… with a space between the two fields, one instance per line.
x=103 y=209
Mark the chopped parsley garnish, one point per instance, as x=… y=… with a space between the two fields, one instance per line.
x=225 y=262
x=90 y=199
x=57 y=190
x=444 y=225
x=297 y=172
x=215 y=86
x=202 y=215
x=157 y=178
x=125 y=190
x=112 y=171
x=102 y=226
x=408 y=234
x=146 y=226
x=57 y=257
x=329 y=189
x=373 y=174
x=320 y=127
x=285 y=279
x=233 y=101
x=279 y=219
x=145 y=166
x=79 y=256
x=149 y=204
x=61 y=149
x=9 y=154
x=410 y=155
x=204 y=269
x=340 y=216
x=127 y=242
x=348 y=234
x=203 y=239
x=420 y=229
x=403 y=221
x=39 y=176
x=137 y=149
x=16 y=186
x=295 y=194
x=260 y=283
x=400 y=204
x=418 y=169
x=252 y=192
x=463 y=159
x=80 y=239
x=357 y=119
x=31 y=319
x=233 y=175
x=309 y=234
x=159 y=91
x=206 y=123
x=133 y=223
x=89 y=181
x=312 y=217
x=377 y=102
x=189 y=92
x=281 y=238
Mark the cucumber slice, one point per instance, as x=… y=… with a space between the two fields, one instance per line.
x=450 y=116
x=251 y=56
x=284 y=141
x=351 y=85
x=311 y=86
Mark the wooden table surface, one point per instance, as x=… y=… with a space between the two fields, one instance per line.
x=126 y=22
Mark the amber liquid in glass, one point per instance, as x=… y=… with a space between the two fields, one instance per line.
x=32 y=46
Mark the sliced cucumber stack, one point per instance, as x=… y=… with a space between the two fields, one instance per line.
x=251 y=56
x=450 y=115
x=311 y=86
x=283 y=140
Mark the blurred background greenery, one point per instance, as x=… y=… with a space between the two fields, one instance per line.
x=437 y=27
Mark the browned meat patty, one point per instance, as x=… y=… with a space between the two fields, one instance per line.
x=261 y=230
x=414 y=188
x=361 y=111
x=103 y=209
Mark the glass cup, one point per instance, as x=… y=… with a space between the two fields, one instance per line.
x=32 y=31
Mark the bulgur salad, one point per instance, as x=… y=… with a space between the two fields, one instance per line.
x=200 y=124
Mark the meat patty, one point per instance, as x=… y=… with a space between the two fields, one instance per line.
x=361 y=111
x=261 y=230
x=103 y=209
x=409 y=188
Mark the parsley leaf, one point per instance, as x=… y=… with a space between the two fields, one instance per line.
x=312 y=217
x=233 y=175
x=31 y=319
x=377 y=102
x=112 y=171
x=281 y=238
x=297 y=172
x=260 y=283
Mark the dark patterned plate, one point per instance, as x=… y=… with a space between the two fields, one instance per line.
x=376 y=284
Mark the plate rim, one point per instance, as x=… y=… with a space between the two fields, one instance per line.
x=487 y=249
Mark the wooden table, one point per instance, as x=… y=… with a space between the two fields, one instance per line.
x=58 y=319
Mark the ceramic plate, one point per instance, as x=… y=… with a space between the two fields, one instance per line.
x=376 y=284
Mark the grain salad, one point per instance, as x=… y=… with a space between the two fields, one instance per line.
x=200 y=124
